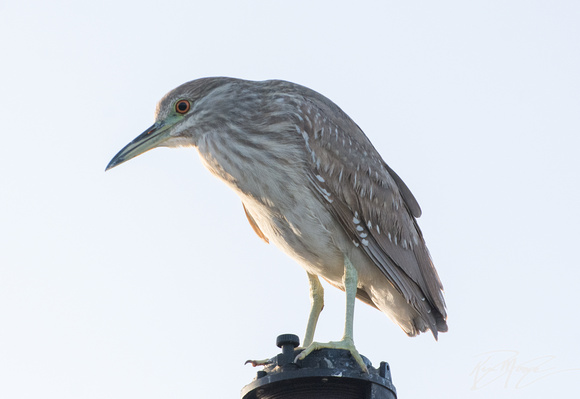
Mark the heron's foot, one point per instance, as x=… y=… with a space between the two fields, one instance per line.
x=256 y=363
x=344 y=344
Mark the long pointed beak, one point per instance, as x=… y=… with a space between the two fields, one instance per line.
x=146 y=141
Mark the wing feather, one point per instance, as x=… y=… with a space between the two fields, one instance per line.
x=373 y=205
x=255 y=225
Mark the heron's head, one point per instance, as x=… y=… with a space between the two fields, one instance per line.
x=181 y=116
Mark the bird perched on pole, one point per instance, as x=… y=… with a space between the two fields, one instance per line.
x=311 y=183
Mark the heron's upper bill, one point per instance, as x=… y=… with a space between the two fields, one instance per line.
x=149 y=139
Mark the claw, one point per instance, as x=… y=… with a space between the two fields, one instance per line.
x=345 y=344
x=256 y=363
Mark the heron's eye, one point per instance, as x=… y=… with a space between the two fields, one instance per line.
x=182 y=106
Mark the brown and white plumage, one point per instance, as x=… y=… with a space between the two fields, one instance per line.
x=378 y=212
x=311 y=183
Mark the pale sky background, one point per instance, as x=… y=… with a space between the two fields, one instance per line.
x=147 y=281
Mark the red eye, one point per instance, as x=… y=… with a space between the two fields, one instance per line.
x=182 y=106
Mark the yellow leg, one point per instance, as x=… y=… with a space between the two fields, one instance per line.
x=316 y=305
x=350 y=280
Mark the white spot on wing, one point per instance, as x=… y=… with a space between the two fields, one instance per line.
x=320 y=178
x=322 y=191
x=365 y=242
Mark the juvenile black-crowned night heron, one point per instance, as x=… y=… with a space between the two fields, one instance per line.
x=312 y=183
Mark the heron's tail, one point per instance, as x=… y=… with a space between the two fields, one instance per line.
x=434 y=321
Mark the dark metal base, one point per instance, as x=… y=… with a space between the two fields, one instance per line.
x=326 y=373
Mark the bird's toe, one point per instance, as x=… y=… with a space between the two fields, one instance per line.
x=256 y=363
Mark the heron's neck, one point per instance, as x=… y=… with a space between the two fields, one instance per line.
x=256 y=165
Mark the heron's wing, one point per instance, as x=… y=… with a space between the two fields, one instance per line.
x=254 y=225
x=407 y=195
x=373 y=205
